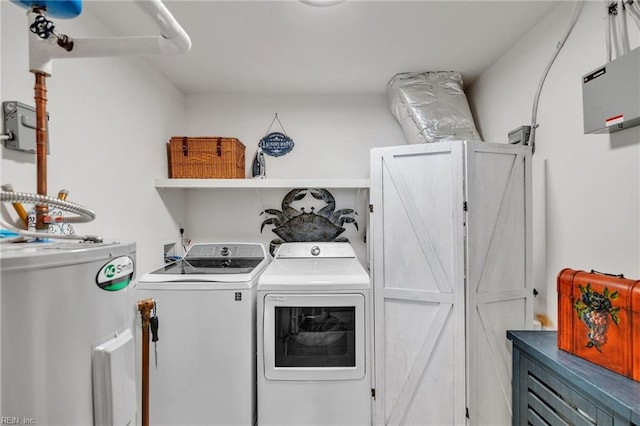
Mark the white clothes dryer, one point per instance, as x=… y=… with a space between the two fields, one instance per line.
x=314 y=337
x=206 y=353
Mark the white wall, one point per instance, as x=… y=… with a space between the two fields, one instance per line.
x=110 y=119
x=332 y=135
x=586 y=187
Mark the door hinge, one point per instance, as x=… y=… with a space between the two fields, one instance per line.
x=370 y=208
x=464 y=206
x=466 y=412
x=373 y=393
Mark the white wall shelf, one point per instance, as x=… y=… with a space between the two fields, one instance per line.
x=261 y=183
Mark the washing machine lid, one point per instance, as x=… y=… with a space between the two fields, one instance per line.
x=314 y=266
x=213 y=262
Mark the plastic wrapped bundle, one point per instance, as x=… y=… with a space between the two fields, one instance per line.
x=431 y=107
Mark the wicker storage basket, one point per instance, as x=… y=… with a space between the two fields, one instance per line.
x=205 y=157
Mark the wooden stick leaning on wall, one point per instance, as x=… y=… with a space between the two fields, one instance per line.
x=145 y=307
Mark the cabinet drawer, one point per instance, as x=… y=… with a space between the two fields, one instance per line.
x=554 y=402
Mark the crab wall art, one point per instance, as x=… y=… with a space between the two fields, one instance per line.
x=305 y=223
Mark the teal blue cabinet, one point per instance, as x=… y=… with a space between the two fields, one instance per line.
x=553 y=387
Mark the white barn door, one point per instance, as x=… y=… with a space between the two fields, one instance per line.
x=499 y=292
x=418 y=275
x=451 y=253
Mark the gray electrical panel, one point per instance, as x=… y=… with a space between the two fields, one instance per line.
x=611 y=95
x=20 y=126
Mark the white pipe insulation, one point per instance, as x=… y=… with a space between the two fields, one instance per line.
x=173 y=40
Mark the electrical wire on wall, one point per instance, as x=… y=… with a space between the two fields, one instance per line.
x=624 y=33
x=632 y=9
x=613 y=35
x=617 y=33
x=577 y=8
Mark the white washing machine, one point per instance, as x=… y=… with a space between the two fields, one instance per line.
x=314 y=337
x=206 y=351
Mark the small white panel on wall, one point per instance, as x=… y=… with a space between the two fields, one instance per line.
x=114 y=386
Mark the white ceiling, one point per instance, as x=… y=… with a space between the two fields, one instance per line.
x=288 y=47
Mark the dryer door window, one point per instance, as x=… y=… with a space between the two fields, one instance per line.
x=314 y=336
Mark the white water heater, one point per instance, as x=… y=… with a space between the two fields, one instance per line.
x=68 y=318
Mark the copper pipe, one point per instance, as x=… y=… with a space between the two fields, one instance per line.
x=145 y=307
x=40 y=91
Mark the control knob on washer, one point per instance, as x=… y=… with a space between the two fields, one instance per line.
x=315 y=250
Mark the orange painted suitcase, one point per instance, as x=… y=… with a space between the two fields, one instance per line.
x=599 y=319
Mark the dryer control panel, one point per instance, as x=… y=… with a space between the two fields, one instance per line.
x=315 y=250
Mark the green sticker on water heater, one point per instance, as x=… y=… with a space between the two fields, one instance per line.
x=116 y=274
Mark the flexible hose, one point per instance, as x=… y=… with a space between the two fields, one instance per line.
x=39 y=235
x=534 y=114
x=83 y=215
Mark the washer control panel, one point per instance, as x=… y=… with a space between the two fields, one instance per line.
x=217 y=250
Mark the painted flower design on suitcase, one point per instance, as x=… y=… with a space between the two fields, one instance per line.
x=595 y=310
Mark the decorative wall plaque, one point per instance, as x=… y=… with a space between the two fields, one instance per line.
x=276 y=144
